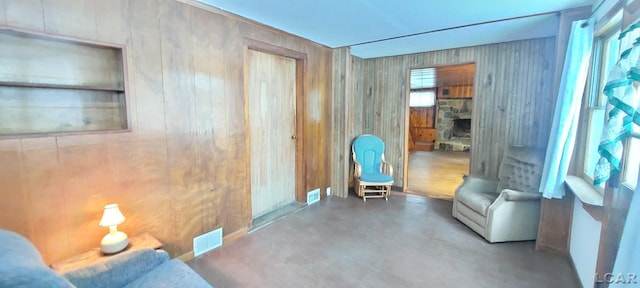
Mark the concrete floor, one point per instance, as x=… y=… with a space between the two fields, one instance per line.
x=436 y=174
x=409 y=241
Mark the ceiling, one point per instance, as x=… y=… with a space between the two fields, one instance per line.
x=438 y=24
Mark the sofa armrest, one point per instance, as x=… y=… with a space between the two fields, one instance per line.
x=513 y=195
x=118 y=270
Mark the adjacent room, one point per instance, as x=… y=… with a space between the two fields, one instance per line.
x=439 y=128
x=226 y=143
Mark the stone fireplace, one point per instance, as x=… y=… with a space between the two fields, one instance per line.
x=453 y=126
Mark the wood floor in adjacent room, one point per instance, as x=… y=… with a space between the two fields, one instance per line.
x=409 y=241
x=437 y=173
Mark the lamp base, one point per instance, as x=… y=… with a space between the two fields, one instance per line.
x=114 y=242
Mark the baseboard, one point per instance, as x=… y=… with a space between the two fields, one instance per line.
x=235 y=235
x=552 y=250
x=186 y=257
x=225 y=240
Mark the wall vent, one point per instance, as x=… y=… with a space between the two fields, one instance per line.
x=207 y=242
x=313 y=196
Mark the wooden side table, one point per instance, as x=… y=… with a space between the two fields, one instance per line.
x=144 y=240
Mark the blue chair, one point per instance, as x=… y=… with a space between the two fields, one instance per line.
x=372 y=175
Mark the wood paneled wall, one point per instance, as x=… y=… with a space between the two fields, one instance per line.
x=462 y=91
x=513 y=98
x=182 y=170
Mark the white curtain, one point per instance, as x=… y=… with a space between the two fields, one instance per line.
x=567 y=110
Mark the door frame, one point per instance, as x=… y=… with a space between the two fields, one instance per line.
x=301 y=62
x=407 y=119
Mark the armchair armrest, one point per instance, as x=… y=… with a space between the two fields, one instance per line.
x=118 y=270
x=478 y=183
x=513 y=195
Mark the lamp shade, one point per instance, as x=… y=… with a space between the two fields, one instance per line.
x=111 y=216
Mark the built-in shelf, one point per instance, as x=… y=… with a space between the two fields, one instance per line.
x=61 y=86
x=592 y=200
x=55 y=86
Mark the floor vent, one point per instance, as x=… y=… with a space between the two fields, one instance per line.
x=207 y=242
x=313 y=196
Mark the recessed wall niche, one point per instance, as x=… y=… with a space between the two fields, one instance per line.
x=51 y=85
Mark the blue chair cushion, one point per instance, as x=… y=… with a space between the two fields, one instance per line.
x=376 y=177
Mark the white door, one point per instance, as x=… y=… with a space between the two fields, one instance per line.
x=271 y=85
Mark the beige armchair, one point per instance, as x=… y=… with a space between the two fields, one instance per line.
x=507 y=208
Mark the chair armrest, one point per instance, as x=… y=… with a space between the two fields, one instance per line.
x=357 y=171
x=513 y=195
x=477 y=183
x=387 y=168
x=118 y=270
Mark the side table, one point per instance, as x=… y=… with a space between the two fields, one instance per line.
x=144 y=240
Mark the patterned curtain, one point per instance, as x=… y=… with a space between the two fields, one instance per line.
x=622 y=110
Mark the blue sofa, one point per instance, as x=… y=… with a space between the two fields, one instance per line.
x=21 y=265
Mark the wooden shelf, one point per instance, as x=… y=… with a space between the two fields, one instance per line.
x=592 y=200
x=50 y=85
x=60 y=86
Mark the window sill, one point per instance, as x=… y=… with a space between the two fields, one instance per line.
x=592 y=200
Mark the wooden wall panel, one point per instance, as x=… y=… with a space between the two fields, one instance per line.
x=14 y=211
x=70 y=17
x=513 y=87
x=182 y=169
x=340 y=145
x=20 y=14
x=462 y=91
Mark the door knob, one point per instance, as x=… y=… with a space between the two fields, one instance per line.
x=294 y=137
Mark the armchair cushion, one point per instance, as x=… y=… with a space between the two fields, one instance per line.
x=119 y=269
x=521 y=170
x=477 y=193
x=477 y=201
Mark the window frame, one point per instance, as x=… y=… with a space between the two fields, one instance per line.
x=594 y=98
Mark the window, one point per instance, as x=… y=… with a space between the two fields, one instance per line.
x=423 y=84
x=607 y=50
x=423 y=98
x=632 y=159
x=52 y=86
x=606 y=53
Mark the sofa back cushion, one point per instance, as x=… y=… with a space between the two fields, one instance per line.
x=21 y=264
x=521 y=169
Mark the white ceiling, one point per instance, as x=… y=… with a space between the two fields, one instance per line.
x=339 y=23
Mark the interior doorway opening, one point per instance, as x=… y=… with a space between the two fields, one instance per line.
x=439 y=129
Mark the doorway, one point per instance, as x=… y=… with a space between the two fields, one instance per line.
x=271 y=101
x=439 y=129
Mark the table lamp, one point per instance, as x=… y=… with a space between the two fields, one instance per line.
x=116 y=240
